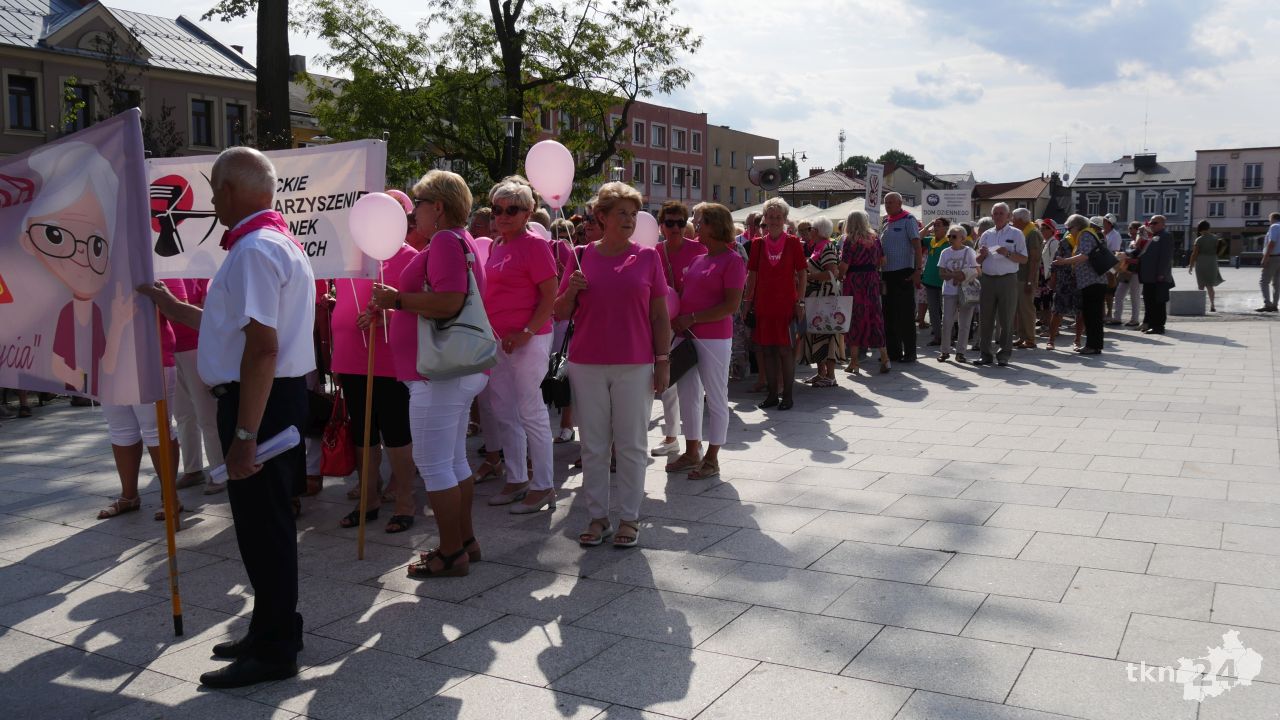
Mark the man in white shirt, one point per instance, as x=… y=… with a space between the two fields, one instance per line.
x=1270 y=282
x=1112 y=237
x=1000 y=251
x=255 y=347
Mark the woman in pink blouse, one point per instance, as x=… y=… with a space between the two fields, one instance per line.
x=618 y=357
x=519 y=292
x=677 y=253
x=438 y=409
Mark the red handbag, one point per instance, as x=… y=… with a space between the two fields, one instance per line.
x=338 y=447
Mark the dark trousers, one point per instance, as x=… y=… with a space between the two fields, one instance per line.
x=1093 y=306
x=1155 y=305
x=262 y=511
x=900 y=314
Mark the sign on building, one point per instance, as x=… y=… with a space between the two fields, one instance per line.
x=954 y=205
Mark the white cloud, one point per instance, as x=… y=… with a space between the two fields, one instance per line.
x=936 y=89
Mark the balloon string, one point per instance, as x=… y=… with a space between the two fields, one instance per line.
x=383 y=281
x=354 y=299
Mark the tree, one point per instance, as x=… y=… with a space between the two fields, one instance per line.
x=856 y=163
x=788 y=169
x=897 y=157
x=273 y=126
x=585 y=64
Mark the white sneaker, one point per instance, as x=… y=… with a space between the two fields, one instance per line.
x=666 y=448
x=564 y=436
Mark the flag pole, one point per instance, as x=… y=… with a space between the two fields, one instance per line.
x=364 y=461
x=169 y=498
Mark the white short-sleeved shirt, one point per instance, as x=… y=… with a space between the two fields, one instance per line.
x=1113 y=240
x=952 y=259
x=1008 y=237
x=1273 y=237
x=266 y=277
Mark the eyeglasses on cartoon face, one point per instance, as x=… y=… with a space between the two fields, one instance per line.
x=58 y=242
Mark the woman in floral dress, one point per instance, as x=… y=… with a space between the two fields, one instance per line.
x=860 y=264
x=824 y=351
x=1066 y=294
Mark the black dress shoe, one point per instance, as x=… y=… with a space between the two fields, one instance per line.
x=1002 y=363
x=235 y=648
x=248 y=671
x=768 y=403
x=983 y=361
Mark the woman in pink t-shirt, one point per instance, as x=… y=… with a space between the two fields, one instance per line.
x=618 y=357
x=519 y=292
x=438 y=409
x=710 y=295
x=194 y=409
x=676 y=252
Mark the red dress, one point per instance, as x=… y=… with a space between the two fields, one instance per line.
x=775 y=291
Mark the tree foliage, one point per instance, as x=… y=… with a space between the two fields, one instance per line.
x=788 y=169
x=897 y=157
x=439 y=88
x=274 y=129
x=856 y=163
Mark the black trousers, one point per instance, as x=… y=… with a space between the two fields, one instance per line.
x=900 y=314
x=262 y=511
x=1093 y=306
x=1155 y=307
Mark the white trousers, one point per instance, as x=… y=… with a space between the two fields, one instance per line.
x=127 y=424
x=1133 y=288
x=438 y=415
x=612 y=404
x=670 y=412
x=956 y=313
x=515 y=390
x=709 y=378
x=196 y=412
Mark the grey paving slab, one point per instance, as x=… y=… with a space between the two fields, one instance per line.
x=773 y=548
x=483 y=575
x=972 y=512
x=932 y=486
x=773 y=691
x=1091 y=479
x=74 y=606
x=528 y=651
x=972 y=539
x=407 y=625
x=882 y=561
x=1003 y=576
x=482 y=698
x=942 y=663
x=780 y=587
x=935 y=706
x=783 y=637
x=1172 y=597
x=1023 y=494
x=906 y=605
x=1248 y=513
x=1050 y=625
x=1177 y=486
x=1248 y=606
x=781 y=518
x=1173 y=531
x=1161 y=641
x=860 y=526
x=860 y=501
x=1236 y=568
x=141 y=636
x=1094 y=688
x=1258 y=700
x=1127 y=502
x=665 y=617
x=764 y=491
x=666 y=570
x=677 y=681
x=1044 y=519
x=190 y=701
x=19 y=581
x=548 y=596
x=1101 y=553
x=190 y=662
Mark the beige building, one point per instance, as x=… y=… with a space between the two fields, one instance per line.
x=729 y=164
x=1236 y=189
x=910 y=181
x=51 y=47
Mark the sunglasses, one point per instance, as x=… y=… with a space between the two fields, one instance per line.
x=674 y=223
x=419 y=200
x=509 y=211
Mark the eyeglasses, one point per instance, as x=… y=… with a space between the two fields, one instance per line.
x=509 y=211
x=57 y=242
x=674 y=223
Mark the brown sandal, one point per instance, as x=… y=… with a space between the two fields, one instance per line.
x=706 y=470
x=470 y=545
x=120 y=506
x=683 y=463
x=591 y=538
x=421 y=570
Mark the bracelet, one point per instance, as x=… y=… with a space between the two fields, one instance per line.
x=661 y=358
x=527 y=331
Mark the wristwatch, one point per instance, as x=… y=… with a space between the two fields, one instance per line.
x=242 y=434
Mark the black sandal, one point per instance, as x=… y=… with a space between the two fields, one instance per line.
x=352 y=518
x=400 y=523
x=473 y=554
x=785 y=404
x=422 y=569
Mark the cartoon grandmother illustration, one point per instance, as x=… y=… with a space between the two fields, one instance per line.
x=69 y=228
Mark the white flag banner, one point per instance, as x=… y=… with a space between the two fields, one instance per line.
x=315 y=189
x=875 y=191
x=954 y=205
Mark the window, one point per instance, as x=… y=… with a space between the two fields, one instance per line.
x=716 y=153
x=695 y=178
x=746 y=196
x=1253 y=176
x=1091 y=203
x=544 y=119
x=637 y=171
x=1022 y=204
x=715 y=193
x=658 y=136
x=81 y=95
x=237 y=123
x=1113 y=203
x=1252 y=208
x=202 y=131
x=24 y=110
x=733 y=194
x=1149 y=203
x=566 y=120
x=1170 y=203
x=1217 y=208
x=659 y=174
x=733 y=158
x=637 y=133
x=696 y=144
x=1217 y=177
x=127 y=98
x=678 y=139
x=677 y=176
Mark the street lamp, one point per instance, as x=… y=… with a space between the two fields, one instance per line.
x=509 y=153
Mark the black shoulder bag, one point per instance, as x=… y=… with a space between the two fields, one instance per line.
x=555 y=384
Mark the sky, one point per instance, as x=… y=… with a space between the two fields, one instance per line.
x=1009 y=89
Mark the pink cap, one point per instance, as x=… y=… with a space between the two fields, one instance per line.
x=405 y=202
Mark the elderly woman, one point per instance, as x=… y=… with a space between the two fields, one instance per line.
x=519 y=293
x=1044 y=296
x=618 y=357
x=1066 y=294
x=956 y=264
x=860 y=263
x=1204 y=262
x=709 y=297
x=438 y=409
x=776 y=276
x=824 y=351
x=934 y=243
x=1092 y=286
x=677 y=253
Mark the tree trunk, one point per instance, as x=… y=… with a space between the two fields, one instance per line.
x=273 y=75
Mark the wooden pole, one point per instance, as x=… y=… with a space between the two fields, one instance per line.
x=169 y=498
x=364 y=460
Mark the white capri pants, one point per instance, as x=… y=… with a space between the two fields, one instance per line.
x=670 y=412
x=524 y=426
x=709 y=377
x=129 y=424
x=490 y=429
x=196 y=412
x=438 y=415
x=612 y=404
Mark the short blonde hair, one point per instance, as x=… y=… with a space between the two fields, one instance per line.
x=612 y=193
x=562 y=224
x=449 y=189
x=515 y=190
x=542 y=217
x=718 y=220
x=858 y=224
x=775 y=203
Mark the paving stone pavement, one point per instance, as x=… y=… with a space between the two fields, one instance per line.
x=943 y=542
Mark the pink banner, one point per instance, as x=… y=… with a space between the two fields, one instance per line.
x=74 y=242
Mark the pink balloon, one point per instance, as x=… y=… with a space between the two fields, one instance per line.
x=540 y=230
x=378 y=225
x=646 y=232
x=673 y=303
x=405 y=202
x=483 y=246
x=550 y=168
